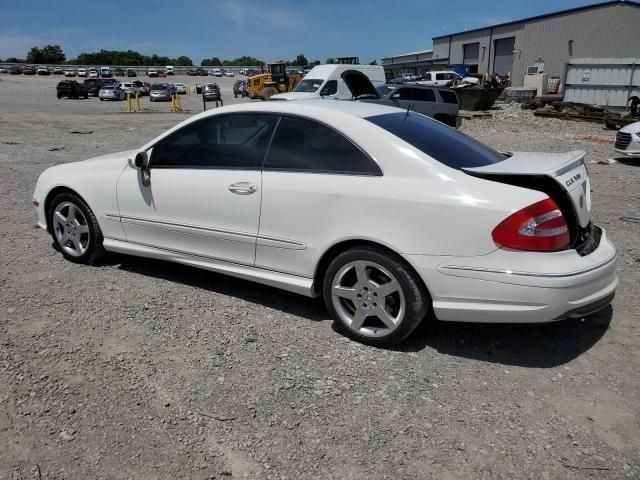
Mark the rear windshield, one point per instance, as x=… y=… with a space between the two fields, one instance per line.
x=445 y=144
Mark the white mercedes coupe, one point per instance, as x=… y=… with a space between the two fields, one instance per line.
x=385 y=213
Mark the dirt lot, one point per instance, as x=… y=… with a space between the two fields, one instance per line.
x=137 y=369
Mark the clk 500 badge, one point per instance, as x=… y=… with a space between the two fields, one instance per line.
x=573 y=180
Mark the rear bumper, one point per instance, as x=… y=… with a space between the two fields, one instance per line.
x=519 y=287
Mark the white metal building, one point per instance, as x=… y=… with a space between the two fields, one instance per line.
x=604 y=30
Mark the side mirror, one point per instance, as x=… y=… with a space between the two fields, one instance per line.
x=324 y=92
x=142 y=160
x=395 y=96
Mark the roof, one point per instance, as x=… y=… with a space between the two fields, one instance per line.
x=546 y=15
x=312 y=108
x=419 y=52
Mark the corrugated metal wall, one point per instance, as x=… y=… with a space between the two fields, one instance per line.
x=605 y=32
x=609 y=31
x=602 y=81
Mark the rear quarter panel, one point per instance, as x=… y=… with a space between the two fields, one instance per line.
x=416 y=207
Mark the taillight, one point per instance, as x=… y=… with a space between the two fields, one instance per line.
x=540 y=227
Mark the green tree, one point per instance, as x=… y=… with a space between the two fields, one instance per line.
x=300 y=61
x=331 y=60
x=211 y=62
x=184 y=61
x=15 y=60
x=51 y=54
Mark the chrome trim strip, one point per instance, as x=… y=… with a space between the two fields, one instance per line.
x=532 y=274
x=185 y=225
x=266 y=240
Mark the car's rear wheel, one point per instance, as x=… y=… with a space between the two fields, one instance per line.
x=373 y=296
x=59 y=95
x=75 y=229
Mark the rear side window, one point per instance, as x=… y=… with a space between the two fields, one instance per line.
x=445 y=144
x=301 y=145
x=423 y=95
x=448 y=96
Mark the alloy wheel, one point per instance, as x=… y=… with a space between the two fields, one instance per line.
x=368 y=298
x=71 y=229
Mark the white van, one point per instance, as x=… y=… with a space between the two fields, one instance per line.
x=327 y=81
x=169 y=70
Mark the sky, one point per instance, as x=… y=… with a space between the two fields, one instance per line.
x=269 y=31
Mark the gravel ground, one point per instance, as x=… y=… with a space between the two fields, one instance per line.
x=138 y=369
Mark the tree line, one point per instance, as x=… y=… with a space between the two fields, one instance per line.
x=53 y=55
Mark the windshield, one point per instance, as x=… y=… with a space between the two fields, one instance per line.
x=384 y=89
x=445 y=144
x=159 y=86
x=308 y=85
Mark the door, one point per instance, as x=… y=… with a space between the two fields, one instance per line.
x=471 y=55
x=311 y=175
x=401 y=98
x=424 y=101
x=503 y=57
x=204 y=193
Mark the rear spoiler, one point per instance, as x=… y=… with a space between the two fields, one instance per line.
x=528 y=163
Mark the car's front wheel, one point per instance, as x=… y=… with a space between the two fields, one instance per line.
x=75 y=229
x=373 y=296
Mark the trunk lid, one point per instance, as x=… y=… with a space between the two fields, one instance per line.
x=568 y=170
x=563 y=177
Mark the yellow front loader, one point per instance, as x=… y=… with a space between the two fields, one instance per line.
x=264 y=85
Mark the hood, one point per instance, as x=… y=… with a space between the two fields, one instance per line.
x=631 y=128
x=359 y=84
x=294 y=96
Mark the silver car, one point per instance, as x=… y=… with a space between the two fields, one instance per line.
x=129 y=87
x=438 y=103
x=111 y=92
x=180 y=88
x=161 y=92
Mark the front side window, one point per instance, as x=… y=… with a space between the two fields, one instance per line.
x=441 y=76
x=229 y=141
x=403 y=94
x=301 y=145
x=330 y=88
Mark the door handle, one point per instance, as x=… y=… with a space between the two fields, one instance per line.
x=243 y=188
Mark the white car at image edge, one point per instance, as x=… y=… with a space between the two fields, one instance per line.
x=386 y=214
x=628 y=140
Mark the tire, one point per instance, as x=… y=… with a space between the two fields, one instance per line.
x=268 y=92
x=363 y=275
x=86 y=95
x=75 y=229
x=59 y=95
x=102 y=99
